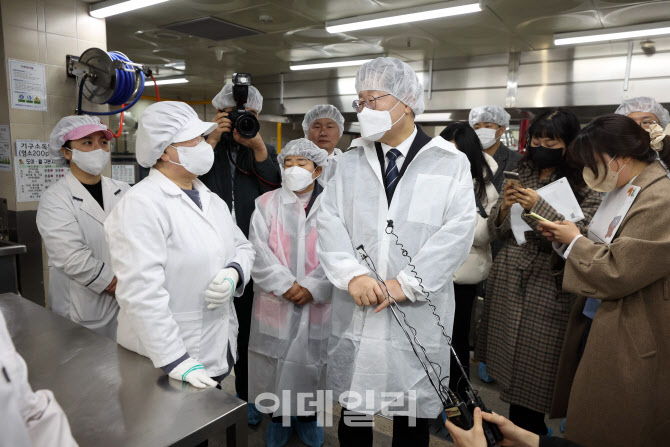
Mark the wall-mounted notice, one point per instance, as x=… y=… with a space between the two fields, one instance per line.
x=5 y=149
x=28 y=86
x=35 y=170
x=124 y=173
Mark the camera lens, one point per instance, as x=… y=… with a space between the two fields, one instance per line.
x=247 y=126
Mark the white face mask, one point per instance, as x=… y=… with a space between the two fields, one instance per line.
x=297 y=178
x=197 y=159
x=92 y=162
x=487 y=136
x=375 y=123
x=606 y=179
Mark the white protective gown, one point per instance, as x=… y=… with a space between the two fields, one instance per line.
x=329 y=170
x=165 y=252
x=71 y=223
x=288 y=343
x=27 y=417
x=433 y=211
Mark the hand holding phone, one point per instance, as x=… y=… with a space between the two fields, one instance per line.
x=513 y=179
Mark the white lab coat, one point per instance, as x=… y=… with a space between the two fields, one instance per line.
x=27 y=418
x=288 y=343
x=71 y=223
x=476 y=267
x=433 y=211
x=165 y=252
x=329 y=171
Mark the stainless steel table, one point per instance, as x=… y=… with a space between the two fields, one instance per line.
x=114 y=397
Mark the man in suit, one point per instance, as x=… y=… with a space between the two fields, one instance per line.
x=395 y=173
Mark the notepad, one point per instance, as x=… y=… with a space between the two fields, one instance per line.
x=560 y=196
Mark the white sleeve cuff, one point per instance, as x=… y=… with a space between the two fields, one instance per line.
x=569 y=249
x=410 y=287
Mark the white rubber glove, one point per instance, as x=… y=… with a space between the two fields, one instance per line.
x=192 y=372
x=222 y=287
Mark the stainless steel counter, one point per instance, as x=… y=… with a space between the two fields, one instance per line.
x=114 y=397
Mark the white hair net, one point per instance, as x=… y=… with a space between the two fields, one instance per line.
x=323 y=111
x=302 y=147
x=224 y=98
x=644 y=104
x=390 y=75
x=67 y=125
x=489 y=114
x=164 y=123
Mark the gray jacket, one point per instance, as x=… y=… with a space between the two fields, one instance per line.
x=507 y=160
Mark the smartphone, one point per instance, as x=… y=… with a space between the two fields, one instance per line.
x=513 y=178
x=536 y=217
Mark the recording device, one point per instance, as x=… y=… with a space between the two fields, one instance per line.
x=243 y=120
x=459 y=409
x=513 y=178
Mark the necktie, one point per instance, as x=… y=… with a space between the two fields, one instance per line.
x=391 y=176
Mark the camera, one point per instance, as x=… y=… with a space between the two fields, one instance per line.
x=242 y=120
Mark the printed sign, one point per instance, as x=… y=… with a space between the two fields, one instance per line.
x=35 y=170
x=28 y=86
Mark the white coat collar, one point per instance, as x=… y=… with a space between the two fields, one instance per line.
x=171 y=188
x=491 y=162
x=371 y=152
x=88 y=204
x=287 y=196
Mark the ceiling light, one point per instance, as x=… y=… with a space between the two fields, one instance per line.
x=167 y=81
x=407 y=15
x=618 y=33
x=329 y=63
x=113 y=7
x=432 y=117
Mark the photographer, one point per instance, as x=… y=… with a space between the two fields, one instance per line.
x=244 y=169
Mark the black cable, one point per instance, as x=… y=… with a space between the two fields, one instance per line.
x=405 y=253
x=81 y=93
x=440 y=390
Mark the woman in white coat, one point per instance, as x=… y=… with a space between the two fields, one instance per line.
x=478 y=263
x=70 y=218
x=290 y=322
x=177 y=253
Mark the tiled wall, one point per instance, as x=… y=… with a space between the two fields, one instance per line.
x=44 y=31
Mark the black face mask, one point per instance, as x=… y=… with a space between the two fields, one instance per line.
x=544 y=157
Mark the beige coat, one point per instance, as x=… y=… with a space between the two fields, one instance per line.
x=621 y=390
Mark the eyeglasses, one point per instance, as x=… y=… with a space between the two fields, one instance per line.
x=369 y=101
x=646 y=123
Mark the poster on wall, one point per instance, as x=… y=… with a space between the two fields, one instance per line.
x=27 y=84
x=35 y=170
x=5 y=149
x=124 y=173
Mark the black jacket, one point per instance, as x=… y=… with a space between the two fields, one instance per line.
x=507 y=160
x=252 y=178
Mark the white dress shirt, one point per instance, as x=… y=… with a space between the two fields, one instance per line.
x=402 y=147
